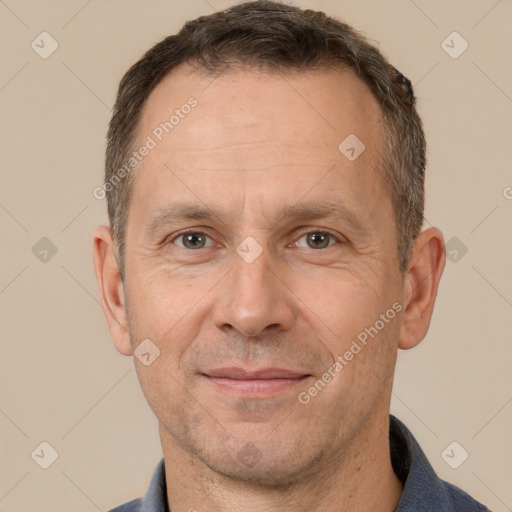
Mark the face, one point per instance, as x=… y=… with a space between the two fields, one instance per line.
x=259 y=255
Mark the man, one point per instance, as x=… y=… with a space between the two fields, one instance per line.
x=265 y=261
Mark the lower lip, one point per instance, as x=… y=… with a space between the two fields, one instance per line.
x=257 y=387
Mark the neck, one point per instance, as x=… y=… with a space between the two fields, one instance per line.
x=359 y=479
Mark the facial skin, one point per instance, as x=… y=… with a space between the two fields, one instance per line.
x=256 y=145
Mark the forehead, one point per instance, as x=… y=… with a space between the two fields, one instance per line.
x=265 y=134
x=320 y=108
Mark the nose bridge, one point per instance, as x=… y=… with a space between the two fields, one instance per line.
x=253 y=278
x=253 y=297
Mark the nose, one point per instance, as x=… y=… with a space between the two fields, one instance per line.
x=253 y=299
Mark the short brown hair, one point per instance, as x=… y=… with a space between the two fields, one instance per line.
x=277 y=37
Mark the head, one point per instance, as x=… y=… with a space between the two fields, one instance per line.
x=273 y=221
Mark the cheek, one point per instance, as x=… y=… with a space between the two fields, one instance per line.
x=166 y=311
x=167 y=317
x=160 y=303
x=347 y=311
x=343 y=302
x=169 y=397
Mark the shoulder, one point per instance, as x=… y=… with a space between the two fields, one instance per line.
x=130 y=506
x=461 y=500
x=155 y=499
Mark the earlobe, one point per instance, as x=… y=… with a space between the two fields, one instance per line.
x=111 y=289
x=426 y=266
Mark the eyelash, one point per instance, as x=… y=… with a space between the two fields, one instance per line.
x=315 y=231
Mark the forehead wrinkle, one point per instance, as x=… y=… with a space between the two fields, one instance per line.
x=249 y=156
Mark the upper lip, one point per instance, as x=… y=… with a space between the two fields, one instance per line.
x=243 y=374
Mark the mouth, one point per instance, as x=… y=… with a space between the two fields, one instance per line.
x=256 y=383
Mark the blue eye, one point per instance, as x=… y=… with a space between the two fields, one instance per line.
x=193 y=240
x=317 y=240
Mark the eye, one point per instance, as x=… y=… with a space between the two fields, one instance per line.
x=192 y=240
x=317 y=240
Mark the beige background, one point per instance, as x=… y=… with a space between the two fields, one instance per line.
x=61 y=379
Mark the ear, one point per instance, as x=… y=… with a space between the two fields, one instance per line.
x=111 y=289
x=426 y=266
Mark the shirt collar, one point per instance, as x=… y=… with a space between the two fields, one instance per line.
x=155 y=499
x=423 y=490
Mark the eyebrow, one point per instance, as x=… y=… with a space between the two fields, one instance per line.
x=297 y=212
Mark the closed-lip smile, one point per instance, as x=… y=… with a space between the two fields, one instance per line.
x=266 y=381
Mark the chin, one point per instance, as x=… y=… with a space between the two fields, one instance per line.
x=272 y=465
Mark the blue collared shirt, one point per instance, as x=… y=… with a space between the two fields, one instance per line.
x=423 y=490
